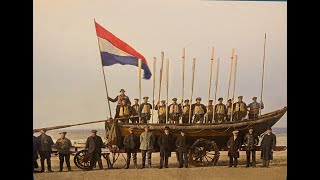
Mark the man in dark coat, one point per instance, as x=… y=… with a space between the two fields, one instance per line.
x=165 y=143
x=182 y=144
x=131 y=144
x=267 y=145
x=94 y=144
x=63 y=145
x=45 y=142
x=234 y=145
x=35 y=152
x=251 y=140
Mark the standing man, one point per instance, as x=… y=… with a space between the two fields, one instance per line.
x=35 y=153
x=161 y=111
x=175 y=111
x=94 y=144
x=123 y=111
x=251 y=140
x=144 y=110
x=220 y=111
x=209 y=114
x=239 y=109
x=234 y=145
x=254 y=108
x=135 y=111
x=267 y=145
x=182 y=149
x=147 y=140
x=229 y=110
x=120 y=97
x=185 y=112
x=63 y=145
x=45 y=148
x=198 y=110
x=165 y=143
x=131 y=143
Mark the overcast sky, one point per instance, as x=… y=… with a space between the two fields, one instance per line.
x=68 y=82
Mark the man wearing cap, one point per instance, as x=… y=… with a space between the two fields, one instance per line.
x=239 y=109
x=63 y=145
x=220 y=111
x=147 y=140
x=119 y=98
x=229 y=110
x=175 y=111
x=131 y=144
x=234 y=145
x=162 y=114
x=165 y=143
x=268 y=143
x=94 y=144
x=135 y=111
x=144 y=110
x=254 y=108
x=182 y=144
x=45 y=148
x=251 y=140
x=123 y=111
x=209 y=114
x=198 y=110
x=185 y=111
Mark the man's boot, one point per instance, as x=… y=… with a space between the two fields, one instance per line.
x=166 y=162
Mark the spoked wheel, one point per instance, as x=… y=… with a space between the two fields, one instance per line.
x=204 y=153
x=82 y=159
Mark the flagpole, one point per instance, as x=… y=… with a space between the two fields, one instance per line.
x=139 y=78
x=264 y=55
x=104 y=76
x=230 y=72
x=210 y=76
x=167 y=80
x=160 y=80
x=234 y=83
x=217 y=81
x=183 y=62
x=153 y=84
x=192 y=84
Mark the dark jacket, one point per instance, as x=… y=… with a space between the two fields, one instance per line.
x=134 y=112
x=63 y=145
x=35 y=147
x=141 y=107
x=218 y=105
x=94 y=144
x=267 y=144
x=118 y=111
x=131 y=142
x=45 y=143
x=182 y=143
x=118 y=99
x=196 y=104
x=234 y=146
x=179 y=108
x=166 y=144
x=251 y=141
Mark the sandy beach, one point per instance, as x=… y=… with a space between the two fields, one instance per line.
x=276 y=171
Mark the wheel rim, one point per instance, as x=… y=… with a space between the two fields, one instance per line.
x=82 y=159
x=204 y=153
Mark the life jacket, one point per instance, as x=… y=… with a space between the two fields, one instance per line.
x=120 y=98
x=124 y=111
x=136 y=108
x=162 y=110
x=186 y=109
x=210 y=109
x=174 y=108
x=146 y=108
x=240 y=107
x=229 y=109
x=220 y=109
x=254 y=108
x=198 y=109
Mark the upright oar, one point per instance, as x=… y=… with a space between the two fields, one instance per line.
x=160 y=80
x=183 y=62
x=210 y=75
x=264 y=55
x=234 y=84
x=192 y=84
x=216 y=89
x=153 y=84
x=167 y=81
x=230 y=72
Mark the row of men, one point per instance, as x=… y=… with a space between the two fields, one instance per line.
x=176 y=111
x=146 y=141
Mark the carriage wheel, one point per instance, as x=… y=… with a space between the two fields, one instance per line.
x=204 y=153
x=82 y=159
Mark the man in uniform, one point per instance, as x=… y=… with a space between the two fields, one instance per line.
x=175 y=111
x=267 y=145
x=63 y=145
x=254 y=108
x=166 y=144
x=161 y=111
x=131 y=144
x=198 y=110
x=123 y=111
x=147 y=140
x=45 y=142
x=119 y=98
x=251 y=140
x=182 y=144
x=94 y=144
x=239 y=109
x=220 y=111
x=209 y=114
x=234 y=145
x=135 y=111
x=144 y=110
x=185 y=112
x=229 y=110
